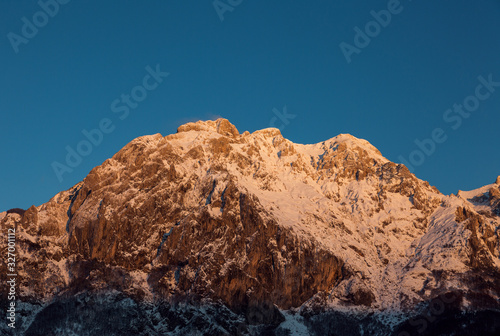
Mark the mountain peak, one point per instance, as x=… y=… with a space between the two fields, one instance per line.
x=350 y=141
x=257 y=222
x=268 y=132
x=221 y=126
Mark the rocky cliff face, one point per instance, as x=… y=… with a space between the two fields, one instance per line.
x=213 y=231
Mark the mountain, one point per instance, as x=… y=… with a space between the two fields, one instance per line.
x=209 y=231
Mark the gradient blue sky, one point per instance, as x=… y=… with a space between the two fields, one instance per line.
x=263 y=55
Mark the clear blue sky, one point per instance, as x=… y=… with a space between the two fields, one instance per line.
x=262 y=56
